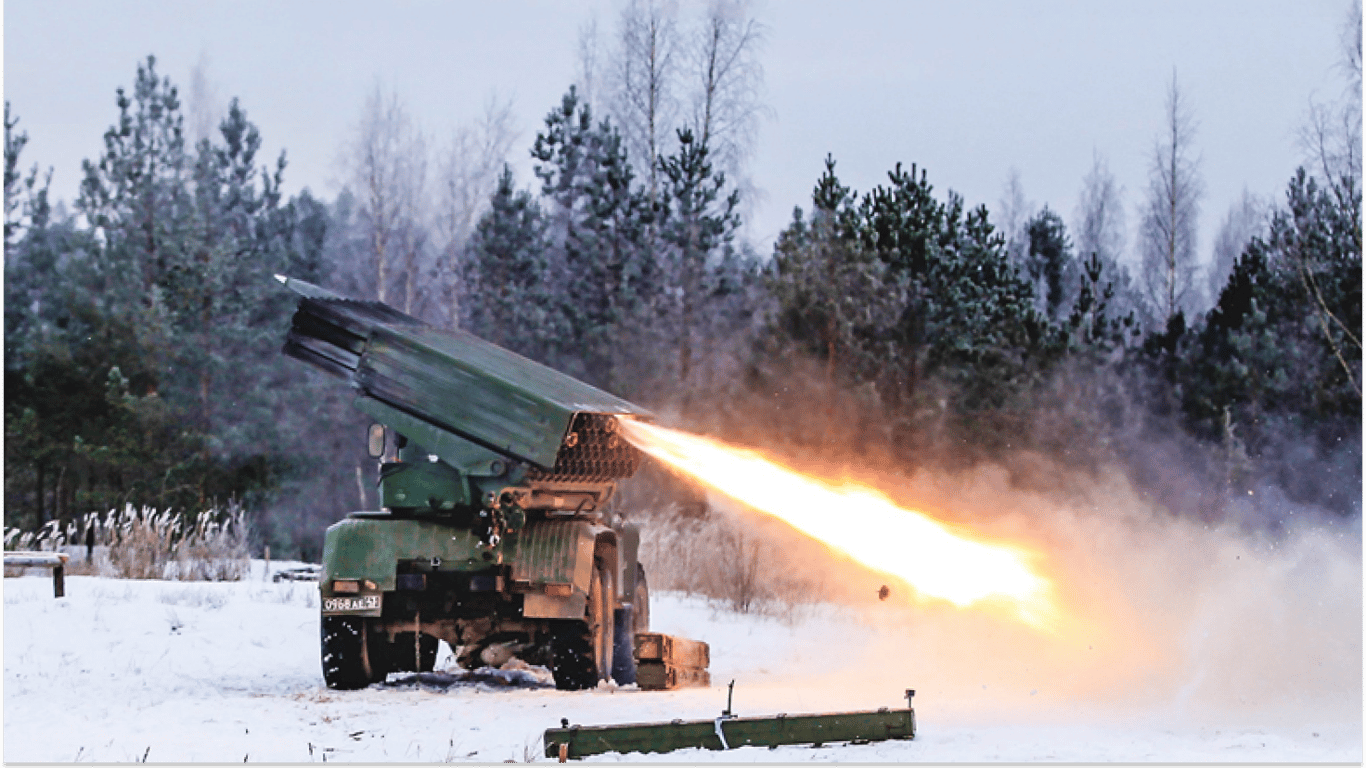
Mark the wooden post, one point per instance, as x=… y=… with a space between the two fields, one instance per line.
x=54 y=560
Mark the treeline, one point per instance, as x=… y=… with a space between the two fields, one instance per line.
x=896 y=327
x=141 y=331
x=948 y=351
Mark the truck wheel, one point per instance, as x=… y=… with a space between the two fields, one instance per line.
x=601 y=623
x=581 y=651
x=351 y=659
x=402 y=653
x=630 y=621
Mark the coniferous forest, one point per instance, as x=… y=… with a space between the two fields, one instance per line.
x=892 y=329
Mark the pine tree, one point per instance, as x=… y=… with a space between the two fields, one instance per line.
x=143 y=340
x=917 y=298
x=698 y=229
x=1277 y=362
x=1049 y=262
x=505 y=294
x=828 y=289
x=600 y=264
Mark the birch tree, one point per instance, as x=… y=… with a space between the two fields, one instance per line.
x=1098 y=226
x=645 y=77
x=467 y=177
x=1016 y=211
x=386 y=163
x=1247 y=218
x=1169 y=217
x=1098 y=222
x=1331 y=136
x=727 y=85
x=468 y=171
x=1332 y=141
x=588 y=62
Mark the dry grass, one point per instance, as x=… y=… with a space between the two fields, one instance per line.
x=147 y=544
x=718 y=558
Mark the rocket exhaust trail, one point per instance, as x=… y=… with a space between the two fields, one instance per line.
x=937 y=560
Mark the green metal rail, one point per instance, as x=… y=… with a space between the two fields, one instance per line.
x=729 y=732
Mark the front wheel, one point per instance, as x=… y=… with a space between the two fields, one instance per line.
x=351 y=658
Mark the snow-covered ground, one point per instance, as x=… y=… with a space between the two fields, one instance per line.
x=166 y=671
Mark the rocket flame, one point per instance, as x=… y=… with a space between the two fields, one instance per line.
x=862 y=524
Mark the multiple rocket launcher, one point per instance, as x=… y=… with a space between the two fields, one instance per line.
x=510 y=437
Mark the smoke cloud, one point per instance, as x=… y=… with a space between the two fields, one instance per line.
x=1160 y=614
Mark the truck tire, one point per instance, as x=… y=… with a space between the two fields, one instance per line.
x=402 y=654
x=601 y=624
x=631 y=620
x=581 y=651
x=350 y=658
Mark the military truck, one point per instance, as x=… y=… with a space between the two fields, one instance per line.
x=494 y=534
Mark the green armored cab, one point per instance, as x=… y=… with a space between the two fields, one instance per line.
x=493 y=534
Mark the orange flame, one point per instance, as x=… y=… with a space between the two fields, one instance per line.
x=862 y=524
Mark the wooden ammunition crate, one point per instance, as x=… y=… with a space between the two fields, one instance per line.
x=665 y=662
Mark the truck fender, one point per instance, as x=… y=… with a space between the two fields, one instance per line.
x=542 y=563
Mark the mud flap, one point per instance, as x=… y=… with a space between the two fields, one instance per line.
x=623 y=654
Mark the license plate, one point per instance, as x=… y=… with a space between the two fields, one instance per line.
x=360 y=603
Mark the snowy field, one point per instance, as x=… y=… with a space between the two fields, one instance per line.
x=123 y=671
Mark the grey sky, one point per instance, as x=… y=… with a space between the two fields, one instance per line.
x=967 y=90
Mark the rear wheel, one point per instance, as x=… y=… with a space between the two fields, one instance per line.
x=352 y=656
x=581 y=651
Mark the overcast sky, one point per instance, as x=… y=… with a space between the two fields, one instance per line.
x=967 y=90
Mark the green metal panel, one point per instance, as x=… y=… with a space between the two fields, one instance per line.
x=371 y=548
x=452 y=380
x=478 y=389
x=547 y=552
x=880 y=725
x=422 y=484
x=469 y=458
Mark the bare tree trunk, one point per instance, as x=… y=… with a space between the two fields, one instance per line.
x=1015 y=212
x=388 y=164
x=645 y=104
x=729 y=78
x=38 y=469
x=1171 y=216
x=467 y=176
x=588 y=63
x=58 y=507
x=379 y=224
x=1168 y=234
x=1099 y=219
x=1331 y=140
x=691 y=285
